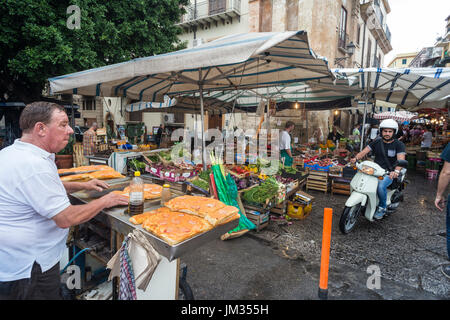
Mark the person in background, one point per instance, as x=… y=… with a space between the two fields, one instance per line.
x=356 y=133
x=89 y=142
x=334 y=135
x=426 y=139
x=444 y=179
x=35 y=211
x=285 y=144
x=159 y=134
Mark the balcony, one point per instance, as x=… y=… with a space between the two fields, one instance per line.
x=201 y=13
x=372 y=14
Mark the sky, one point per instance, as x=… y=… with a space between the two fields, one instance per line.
x=415 y=24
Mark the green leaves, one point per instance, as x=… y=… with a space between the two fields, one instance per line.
x=36 y=44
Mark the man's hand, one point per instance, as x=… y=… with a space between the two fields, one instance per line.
x=96 y=184
x=439 y=201
x=393 y=175
x=113 y=199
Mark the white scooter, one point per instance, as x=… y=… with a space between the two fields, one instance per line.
x=363 y=197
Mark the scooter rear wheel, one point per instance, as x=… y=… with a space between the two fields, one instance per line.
x=349 y=218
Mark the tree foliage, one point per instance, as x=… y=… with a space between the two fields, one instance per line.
x=36 y=43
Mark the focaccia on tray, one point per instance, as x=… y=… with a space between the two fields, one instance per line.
x=82 y=177
x=105 y=174
x=151 y=191
x=174 y=227
x=98 y=167
x=140 y=218
x=214 y=211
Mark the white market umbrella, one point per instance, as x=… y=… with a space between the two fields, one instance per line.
x=399 y=116
x=241 y=61
x=408 y=87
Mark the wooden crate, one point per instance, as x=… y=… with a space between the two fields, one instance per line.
x=280 y=208
x=259 y=220
x=317 y=180
x=78 y=154
x=340 y=186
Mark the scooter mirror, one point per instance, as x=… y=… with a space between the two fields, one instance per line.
x=402 y=163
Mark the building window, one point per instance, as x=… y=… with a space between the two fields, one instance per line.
x=343 y=28
x=403 y=61
x=358 y=34
x=89 y=104
x=369 y=53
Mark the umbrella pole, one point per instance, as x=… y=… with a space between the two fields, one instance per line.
x=203 y=127
x=365 y=112
x=363 y=127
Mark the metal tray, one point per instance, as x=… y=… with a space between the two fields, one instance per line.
x=119 y=221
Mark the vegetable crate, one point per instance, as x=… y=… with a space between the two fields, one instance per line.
x=317 y=180
x=259 y=218
x=340 y=186
x=280 y=208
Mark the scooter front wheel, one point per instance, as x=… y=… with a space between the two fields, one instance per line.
x=349 y=218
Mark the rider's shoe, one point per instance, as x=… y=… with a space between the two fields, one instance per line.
x=380 y=213
x=446 y=270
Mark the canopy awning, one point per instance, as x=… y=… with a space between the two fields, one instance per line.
x=408 y=87
x=247 y=60
x=399 y=116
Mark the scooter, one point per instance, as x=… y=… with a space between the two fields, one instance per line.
x=363 y=193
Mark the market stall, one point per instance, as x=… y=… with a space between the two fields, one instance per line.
x=104 y=234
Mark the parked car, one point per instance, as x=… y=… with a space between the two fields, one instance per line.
x=79 y=131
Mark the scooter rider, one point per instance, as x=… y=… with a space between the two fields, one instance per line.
x=387 y=151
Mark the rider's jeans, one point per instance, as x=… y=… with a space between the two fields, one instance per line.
x=382 y=191
x=448 y=226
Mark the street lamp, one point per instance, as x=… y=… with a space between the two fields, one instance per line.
x=350 y=50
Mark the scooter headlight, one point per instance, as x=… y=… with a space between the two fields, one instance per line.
x=368 y=170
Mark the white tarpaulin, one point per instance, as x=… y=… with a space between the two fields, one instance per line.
x=247 y=60
x=241 y=61
x=399 y=116
x=408 y=87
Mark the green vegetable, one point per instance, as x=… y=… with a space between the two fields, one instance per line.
x=205 y=174
x=165 y=155
x=138 y=165
x=260 y=194
x=201 y=184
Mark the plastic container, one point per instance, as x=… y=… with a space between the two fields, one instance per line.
x=136 y=202
x=297 y=210
x=165 y=194
x=431 y=174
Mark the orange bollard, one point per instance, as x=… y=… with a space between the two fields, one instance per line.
x=325 y=260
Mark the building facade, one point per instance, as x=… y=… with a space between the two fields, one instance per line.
x=348 y=33
x=402 y=60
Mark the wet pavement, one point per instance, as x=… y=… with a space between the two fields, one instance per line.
x=283 y=261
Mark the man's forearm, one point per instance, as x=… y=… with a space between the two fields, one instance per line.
x=288 y=151
x=78 y=214
x=74 y=186
x=444 y=179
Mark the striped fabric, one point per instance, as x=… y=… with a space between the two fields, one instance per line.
x=399 y=116
x=410 y=87
x=127 y=289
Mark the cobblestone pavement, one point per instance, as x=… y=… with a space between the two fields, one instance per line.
x=283 y=260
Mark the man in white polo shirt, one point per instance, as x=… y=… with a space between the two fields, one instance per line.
x=35 y=212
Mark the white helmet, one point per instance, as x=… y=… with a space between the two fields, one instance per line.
x=389 y=124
